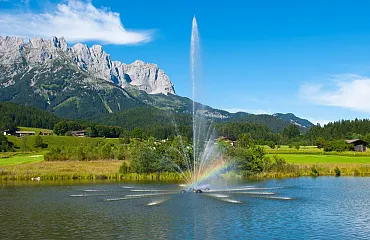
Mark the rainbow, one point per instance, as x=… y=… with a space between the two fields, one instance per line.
x=211 y=171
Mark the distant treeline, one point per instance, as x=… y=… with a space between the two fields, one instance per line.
x=344 y=129
x=140 y=122
x=13 y=115
x=145 y=122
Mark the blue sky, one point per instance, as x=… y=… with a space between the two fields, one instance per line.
x=311 y=58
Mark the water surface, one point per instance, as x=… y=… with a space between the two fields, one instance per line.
x=300 y=208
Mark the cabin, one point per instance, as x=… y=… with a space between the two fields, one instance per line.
x=359 y=145
x=46 y=133
x=226 y=139
x=24 y=133
x=80 y=133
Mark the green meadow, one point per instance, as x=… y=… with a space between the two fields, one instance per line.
x=29 y=162
x=323 y=159
x=54 y=140
x=21 y=159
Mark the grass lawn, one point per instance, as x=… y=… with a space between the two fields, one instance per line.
x=21 y=159
x=58 y=141
x=322 y=159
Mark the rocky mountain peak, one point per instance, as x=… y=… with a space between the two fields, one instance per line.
x=148 y=77
x=60 y=43
x=93 y=60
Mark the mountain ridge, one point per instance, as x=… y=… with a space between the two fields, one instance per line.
x=37 y=51
x=290 y=117
x=72 y=82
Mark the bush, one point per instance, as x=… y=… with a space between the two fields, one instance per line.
x=5 y=145
x=124 y=168
x=314 y=171
x=39 y=143
x=337 y=171
x=271 y=144
x=56 y=154
x=336 y=145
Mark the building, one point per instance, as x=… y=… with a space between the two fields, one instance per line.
x=226 y=139
x=80 y=133
x=359 y=145
x=6 y=132
x=46 y=133
x=24 y=133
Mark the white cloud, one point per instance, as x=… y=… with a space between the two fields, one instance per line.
x=76 y=21
x=347 y=91
x=322 y=122
x=235 y=110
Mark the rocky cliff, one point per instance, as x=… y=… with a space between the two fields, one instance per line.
x=17 y=56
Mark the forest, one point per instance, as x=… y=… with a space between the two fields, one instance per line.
x=146 y=122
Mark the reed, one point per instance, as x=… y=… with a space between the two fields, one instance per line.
x=78 y=170
x=109 y=170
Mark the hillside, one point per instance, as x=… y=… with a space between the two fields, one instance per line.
x=290 y=117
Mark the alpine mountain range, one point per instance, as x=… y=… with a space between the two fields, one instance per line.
x=82 y=82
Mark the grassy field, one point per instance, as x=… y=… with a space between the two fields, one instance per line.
x=323 y=159
x=313 y=150
x=62 y=170
x=21 y=159
x=18 y=165
x=77 y=170
x=57 y=141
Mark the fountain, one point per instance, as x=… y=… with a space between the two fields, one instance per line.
x=207 y=162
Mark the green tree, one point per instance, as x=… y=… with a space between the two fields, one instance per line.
x=39 y=143
x=245 y=141
x=320 y=142
x=124 y=137
x=336 y=145
x=106 y=150
x=291 y=132
x=81 y=154
x=91 y=132
x=5 y=145
x=144 y=161
x=24 y=140
x=271 y=144
x=249 y=160
x=137 y=133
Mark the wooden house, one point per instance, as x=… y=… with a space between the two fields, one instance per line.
x=80 y=133
x=46 y=133
x=24 y=133
x=359 y=145
x=226 y=139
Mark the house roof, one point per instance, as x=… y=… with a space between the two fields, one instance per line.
x=80 y=131
x=25 y=132
x=224 y=138
x=357 y=141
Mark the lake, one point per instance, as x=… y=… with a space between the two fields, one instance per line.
x=297 y=208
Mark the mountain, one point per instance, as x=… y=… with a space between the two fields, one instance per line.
x=82 y=82
x=74 y=82
x=15 y=52
x=290 y=117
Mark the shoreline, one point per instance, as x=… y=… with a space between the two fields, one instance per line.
x=109 y=170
